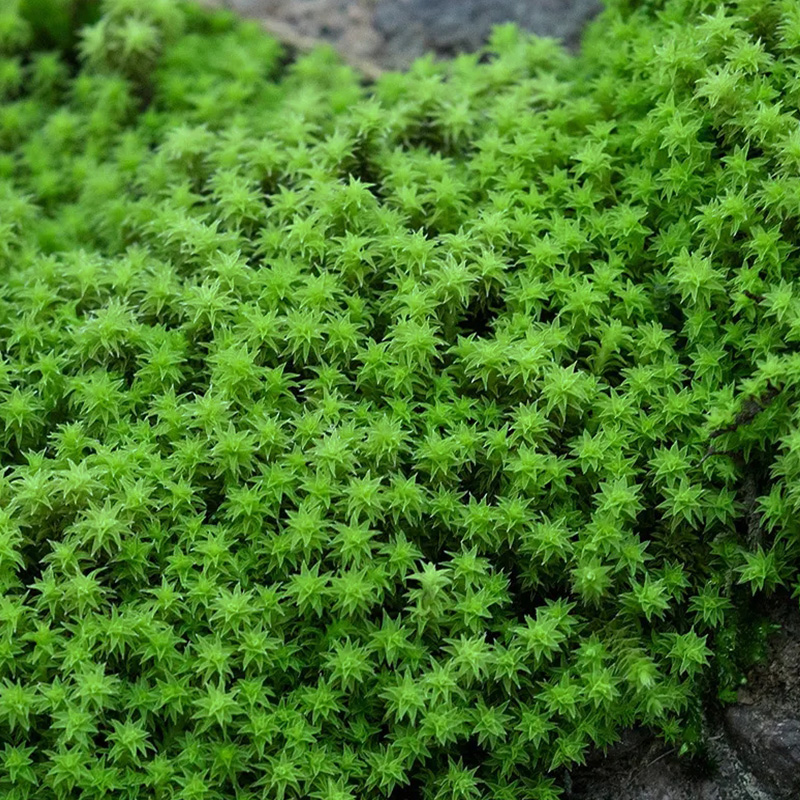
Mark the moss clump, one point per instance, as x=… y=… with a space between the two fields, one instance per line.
x=403 y=440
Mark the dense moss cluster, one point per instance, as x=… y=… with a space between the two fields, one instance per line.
x=398 y=440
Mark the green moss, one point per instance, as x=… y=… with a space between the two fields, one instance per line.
x=393 y=440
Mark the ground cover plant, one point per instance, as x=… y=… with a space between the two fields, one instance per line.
x=399 y=440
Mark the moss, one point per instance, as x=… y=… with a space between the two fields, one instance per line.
x=394 y=440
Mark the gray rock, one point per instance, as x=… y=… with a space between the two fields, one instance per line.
x=412 y=27
x=665 y=780
x=752 y=748
x=390 y=34
x=769 y=745
x=732 y=777
x=640 y=768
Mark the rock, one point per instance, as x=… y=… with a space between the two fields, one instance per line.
x=764 y=727
x=752 y=748
x=413 y=27
x=390 y=34
x=640 y=768
x=769 y=745
x=663 y=780
x=731 y=776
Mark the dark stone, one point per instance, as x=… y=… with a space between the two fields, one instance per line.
x=390 y=34
x=412 y=27
x=665 y=780
x=639 y=767
x=751 y=749
x=769 y=745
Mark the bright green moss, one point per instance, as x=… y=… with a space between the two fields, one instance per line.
x=404 y=440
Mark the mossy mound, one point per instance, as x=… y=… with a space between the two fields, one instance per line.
x=398 y=440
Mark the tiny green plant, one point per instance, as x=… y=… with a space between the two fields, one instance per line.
x=400 y=440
